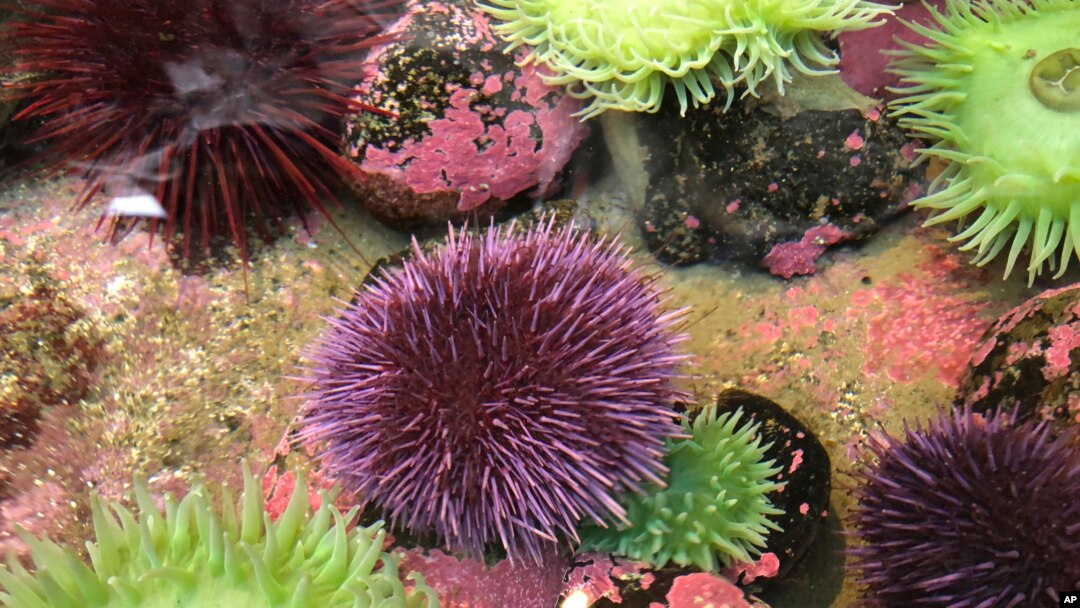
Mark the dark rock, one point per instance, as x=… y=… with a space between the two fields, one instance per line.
x=1029 y=361
x=748 y=185
x=469 y=129
x=806 y=469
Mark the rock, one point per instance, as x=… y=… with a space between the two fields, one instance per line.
x=806 y=469
x=470 y=130
x=1029 y=360
x=749 y=185
x=604 y=581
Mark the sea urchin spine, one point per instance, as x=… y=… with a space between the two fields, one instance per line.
x=500 y=389
x=969 y=512
x=225 y=112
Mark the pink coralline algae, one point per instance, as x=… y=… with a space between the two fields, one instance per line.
x=471 y=127
x=917 y=326
x=703 y=590
x=799 y=257
x=472 y=584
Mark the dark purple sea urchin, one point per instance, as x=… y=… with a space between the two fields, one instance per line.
x=970 y=512
x=500 y=389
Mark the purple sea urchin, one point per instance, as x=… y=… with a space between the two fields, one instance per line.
x=998 y=92
x=970 y=512
x=500 y=389
x=206 y=116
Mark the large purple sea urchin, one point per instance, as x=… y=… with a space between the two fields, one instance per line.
x=224 y=111
x=500 y=389
x=970 y=512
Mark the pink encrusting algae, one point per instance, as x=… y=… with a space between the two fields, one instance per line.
x=919 y=328
x=499 y=135
x=469 y=583
x=799 y=257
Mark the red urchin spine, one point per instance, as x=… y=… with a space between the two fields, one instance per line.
x=226 y=112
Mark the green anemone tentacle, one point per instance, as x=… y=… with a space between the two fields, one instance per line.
x=190 y=557
x=624 y=53
x=997 y=94
x=715 y=509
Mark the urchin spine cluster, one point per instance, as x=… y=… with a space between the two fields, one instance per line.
x=623 y=54
x=997 y=89
x=188 y=555
x=715 y=509
x=499 y=389
x=219 y=111
x=969 y=512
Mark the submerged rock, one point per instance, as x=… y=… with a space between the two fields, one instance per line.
x=468 y=130
x=806 y=469
x=749 y=185
x=1029 y=360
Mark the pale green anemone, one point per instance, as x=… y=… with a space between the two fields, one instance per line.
x=623 y=53
x=998 y=92
x=189 y=557
x=715 y=508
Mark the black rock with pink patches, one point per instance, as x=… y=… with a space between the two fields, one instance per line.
x=469 y=129
x=747 y=185
x=1029 y=361
x=805 y=467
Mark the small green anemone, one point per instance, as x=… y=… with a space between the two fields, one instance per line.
x=189 y=557
x=998 y=92
x=716 y=502
x=623 y=53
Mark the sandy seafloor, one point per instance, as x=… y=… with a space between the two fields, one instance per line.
x=194 y=374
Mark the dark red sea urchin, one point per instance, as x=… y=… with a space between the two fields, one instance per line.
x=225 y=111
x=500 y=389
x=970 y=512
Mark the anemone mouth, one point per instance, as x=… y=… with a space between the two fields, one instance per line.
x=623 y=54
x=1055 y=80
x=997 y=91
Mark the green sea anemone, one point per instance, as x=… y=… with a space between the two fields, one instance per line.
x=189 y=557
x=716 y=502
x=997 y=90
x=623 y=53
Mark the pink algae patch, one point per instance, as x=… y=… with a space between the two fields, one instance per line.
x=855 y=141
x=1063 y=339
x=481 y=161
x=918 y=327
x=594 y=580
x=472 y=584
x=799 y=257
x=796 y=461
x=766 y=566
x=703 y=590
